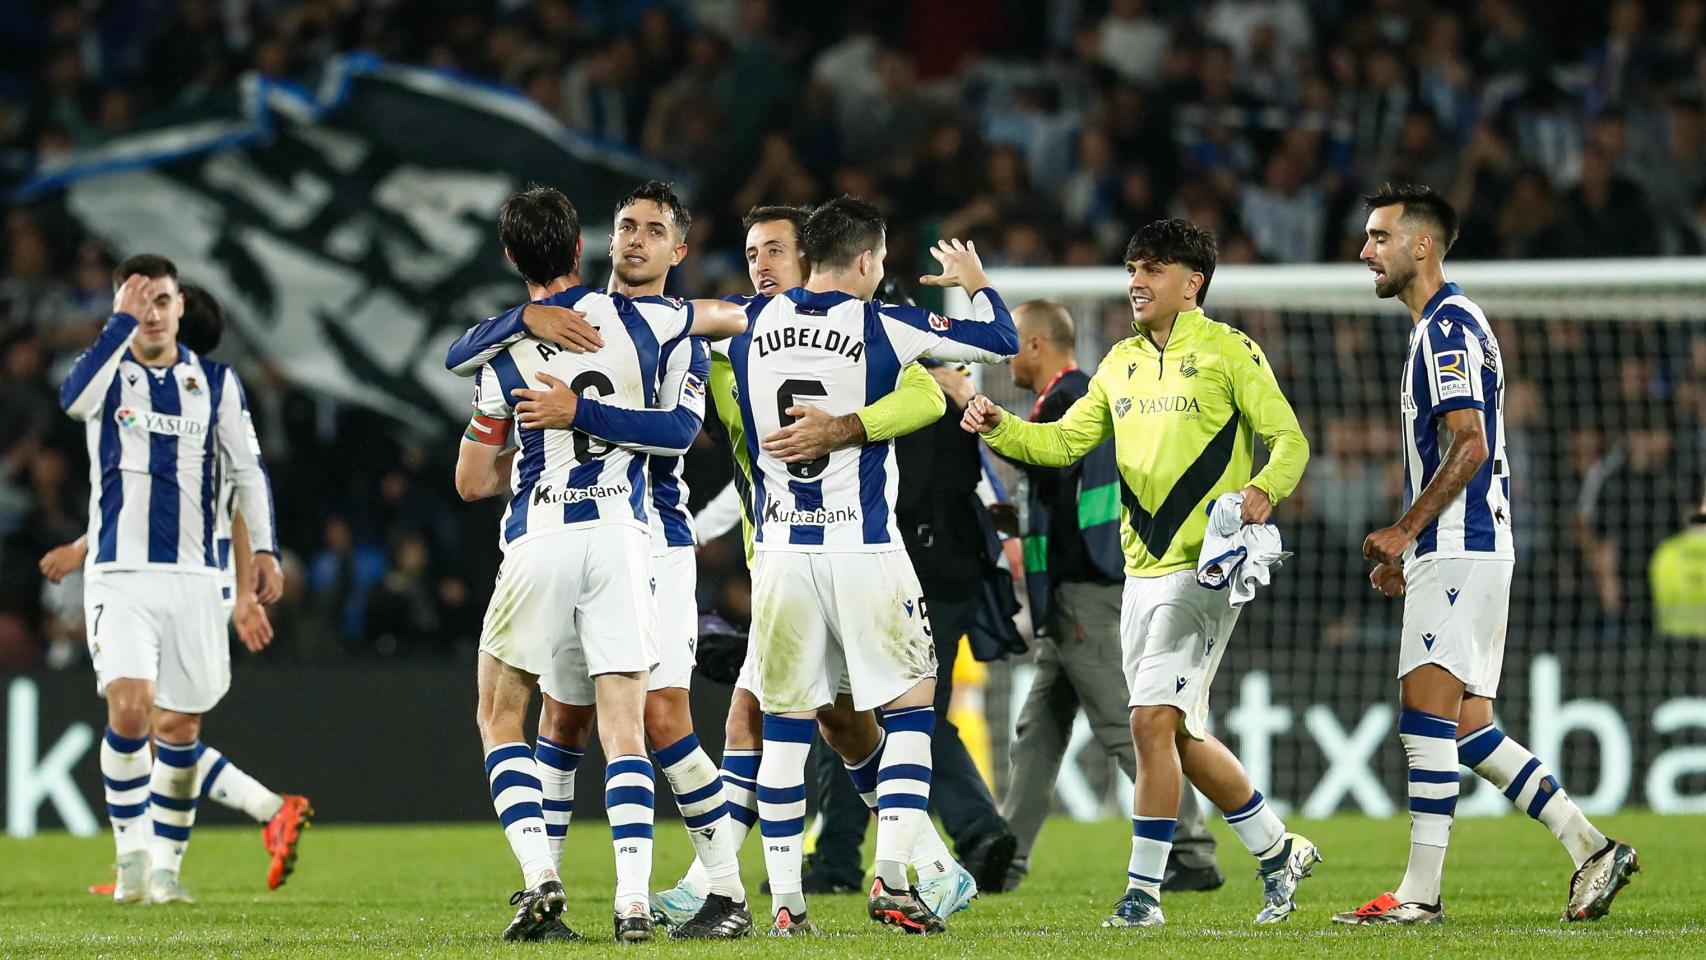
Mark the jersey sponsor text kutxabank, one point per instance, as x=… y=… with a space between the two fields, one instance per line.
x=838 y=353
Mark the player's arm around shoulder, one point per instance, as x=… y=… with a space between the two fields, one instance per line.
x=915 y=403
x=1256 y=393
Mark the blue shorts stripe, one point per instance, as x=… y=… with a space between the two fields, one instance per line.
x=1515 y=789
x=638 y=796
x=520 y=811
x=795 y=794
x=782 y=828
x=903 y=801
x=630 y=831
x=1444 y=806
x=903 y=771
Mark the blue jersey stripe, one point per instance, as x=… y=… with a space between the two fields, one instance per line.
x=112 y=480
x=1426 y=441
x=807 y=498
x=582 y=476
x=532 y=449
x=882 y=375
x=637 y=487
x=667 y=500
x=215 y=375
x=164 y=495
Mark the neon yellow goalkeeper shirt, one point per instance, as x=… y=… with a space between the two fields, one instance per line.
x=1184 y=422
x=916 y=402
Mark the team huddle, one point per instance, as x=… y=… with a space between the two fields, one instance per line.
x=585 y=401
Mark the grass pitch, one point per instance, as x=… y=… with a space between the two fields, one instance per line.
x=440 y=891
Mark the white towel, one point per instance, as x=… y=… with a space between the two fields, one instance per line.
x=1236 y=554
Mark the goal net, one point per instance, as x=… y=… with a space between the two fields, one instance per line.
x=1604 y=676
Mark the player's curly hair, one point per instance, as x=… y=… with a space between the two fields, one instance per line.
x=664 y=195
x=841 y=229
x=1177 y=241
x=1421 y=204
x=541 y=231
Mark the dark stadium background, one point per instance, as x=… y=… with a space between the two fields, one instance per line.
x=1044 y=131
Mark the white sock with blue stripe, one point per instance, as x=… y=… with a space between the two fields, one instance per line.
x=903 y=790
x=225 y=784
x=516 y=797
x=1430 y=745
x=557 y=765
x=1530 y=785
x=1258 y=826
x=698 y=789
x=171 y=802
x=782 y=807
x=126 y=766
x=1151 y=842
x=740 y=803
x=930 y=855
x=630 y=805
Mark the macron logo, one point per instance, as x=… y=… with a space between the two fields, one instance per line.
x=1451 y=596
x=1179 y=684
x=1428 y=640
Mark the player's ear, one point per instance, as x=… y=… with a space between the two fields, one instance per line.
x=680 y=252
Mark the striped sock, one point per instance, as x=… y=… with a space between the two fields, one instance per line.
x=782 y=807
x=1430 y=746
x=171 y=802
x=698 y=789
x=1258 y=826
x=630 y=805
x=557 y=764
x=227 y=785
x=514 y=779
x=930 y=856
x=1530 y=785
x=1151 y=842
x=903 y=790
x=126 y=766
x=740 y=799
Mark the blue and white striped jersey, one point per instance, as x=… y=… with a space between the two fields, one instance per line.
x=1454 y=364
x=159 y=438
x=683 y=367
x=839 y=353
x=594 y=474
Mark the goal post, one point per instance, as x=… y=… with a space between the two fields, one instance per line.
x=1605 y=364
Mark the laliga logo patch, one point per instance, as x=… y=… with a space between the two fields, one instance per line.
x=1122 y=406
x=938 y=322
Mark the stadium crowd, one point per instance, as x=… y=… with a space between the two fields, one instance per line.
x=1046 y=133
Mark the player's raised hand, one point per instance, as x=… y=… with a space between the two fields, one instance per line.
x=813 y=434
x=1388 y=578
x=563 y=326
x=269 y=578
x=552 y=409
x=63 y=559
x=250 y=619
x=961 y=266
x=982 y=414
x=134 y=295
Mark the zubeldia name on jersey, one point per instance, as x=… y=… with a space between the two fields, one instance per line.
x=817 y=338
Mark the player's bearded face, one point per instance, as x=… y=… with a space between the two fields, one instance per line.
x=644 y=244
x=1387 y=252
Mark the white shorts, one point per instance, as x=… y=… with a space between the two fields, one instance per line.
x=818 y=618
x=1173 y=633
x=677 y=573
x=748 y=679
x=165 y=627
x=1455 y=613
x=574 y=604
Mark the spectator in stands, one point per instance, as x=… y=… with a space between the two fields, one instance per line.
x=1677 y=576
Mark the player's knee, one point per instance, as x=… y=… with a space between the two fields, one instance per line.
x=128 y=716
x=1153 y=726
x=667 y=721
x=564 y=724
x=177 y=727
x=744 y=729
